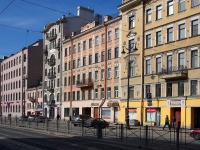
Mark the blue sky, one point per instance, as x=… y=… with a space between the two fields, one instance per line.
x=18 y=16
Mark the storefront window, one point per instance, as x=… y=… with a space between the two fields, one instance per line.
x=105 y=113
x=150 y=114
x=132 y=113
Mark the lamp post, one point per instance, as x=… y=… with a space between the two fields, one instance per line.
x=24 y=94
x=130 y=49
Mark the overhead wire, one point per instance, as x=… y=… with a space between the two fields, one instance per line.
x=6 y=7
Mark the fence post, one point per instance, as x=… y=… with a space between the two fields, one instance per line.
x=146 y=135
x=45 y=124
x=122 y=132
x=81 y=128
x=56 y=125
x=1 y=120
x=5 y=120
x=10 y=121
x=99 y=130
x=177 y=138
x=15 y=120
x=68 y=124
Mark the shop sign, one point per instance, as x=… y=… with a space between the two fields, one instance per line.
x=150 y=110
x=176 y=102
x=94 y=104
x=133 y=110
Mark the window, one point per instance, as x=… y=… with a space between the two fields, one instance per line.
x=83 y=95
x=102 y=74
x=58 y=82
x=109 y=73
x=148 y=16
x=90 y=59
x=131 y=90
x=58 y=97
x=96 y=75
x=194 y=27
x=170 y=9
x=158 y=12
x=73 y=95
x=181 y=5
x=195 y=3
x=89 y=94
x=158 y=90
x=116 y=52
x=68 y=96
x=131 y=45
x=148 y=66
x=74 y=64
x=194 y=58
x=79 y=63
x=102 y=93
x=109 y=36
x=96 y=58
x=106 y=113
x=73 y=81
x=116 y=33
x=65 y=66
x=69 y=65
x=181 y=31
x=84 y=61
x=194 y=87
x=148 y=40
x=102 y=38
x=68 y=80
x=109 y=54
x=74 y=49
x=90 y=76
x=79 y=47
x=84 y=45
x=132 y=69
x=90 y=43
x=66 y=112
x=181 y=61
x=180 y=88
x=158 y=38
x=169 y=63
x=96 y=41
x=69 y=50
x=170 y=34
x=102 y=56
x=78 y=95
x=109 y=92
x=158 y=64
x=131 y=22
x=116 y=91
x=148 y=89
x=96 y=93
x=116 y=71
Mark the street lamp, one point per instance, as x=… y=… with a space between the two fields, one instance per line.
x=131 y=48
x=24 y=94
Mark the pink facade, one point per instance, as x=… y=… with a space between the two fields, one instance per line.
x=92 y=71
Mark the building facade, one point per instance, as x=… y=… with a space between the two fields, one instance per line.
x=92 y=70
x=17 y=75
x=170 y=73
x=54 y=33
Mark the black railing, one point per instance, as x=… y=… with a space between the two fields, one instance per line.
x=51 y=62
x=50 y=89
x=51 y=75
x=84 y=82
x=51 y=36
x=169 y=70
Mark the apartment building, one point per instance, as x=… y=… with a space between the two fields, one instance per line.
x=17 y=75
x=171 y=71
x=54 y=33
x=92 y=70
x=0 y=90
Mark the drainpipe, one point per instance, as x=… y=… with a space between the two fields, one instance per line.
x=71 y=75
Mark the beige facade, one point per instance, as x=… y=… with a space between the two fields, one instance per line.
x=171 y=62
x=92 y=70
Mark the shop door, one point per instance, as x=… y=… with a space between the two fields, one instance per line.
x=177 y=112
x=52 y=112
x=116 y=114
x=96 y=114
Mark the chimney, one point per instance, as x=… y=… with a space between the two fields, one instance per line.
x=107 y=18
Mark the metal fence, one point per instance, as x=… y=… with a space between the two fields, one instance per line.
x=156 y=137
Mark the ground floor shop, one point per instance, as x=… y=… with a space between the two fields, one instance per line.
x=186 y=112
x=94 y=109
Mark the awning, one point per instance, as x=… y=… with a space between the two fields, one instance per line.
x=113 y=103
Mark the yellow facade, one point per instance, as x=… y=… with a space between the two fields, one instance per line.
x=167 y=36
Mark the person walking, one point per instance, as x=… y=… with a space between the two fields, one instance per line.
x=174 y=122
x=58 y=117
x=166 y=122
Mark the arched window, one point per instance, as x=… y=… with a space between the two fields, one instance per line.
x=52 y=58
x=19 y=84
x=45 y=98
x=19 y=108
x=16 y=96
x=13 y=108
x=19 y=96
x=51 y=97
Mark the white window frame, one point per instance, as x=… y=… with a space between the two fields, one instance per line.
x=148 y=58
x=193 y=49
x=158 y=56
x=197 y=17
x=109 y=73
x=116 y=71
x=146 y=33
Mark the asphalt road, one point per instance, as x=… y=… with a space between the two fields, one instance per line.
x=18 y=139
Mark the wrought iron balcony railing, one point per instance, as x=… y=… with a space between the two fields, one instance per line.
x=84 y=83
x=51 y=75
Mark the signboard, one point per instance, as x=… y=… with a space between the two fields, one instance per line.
x=149 y=97
x=53 y=101
x=94 y=104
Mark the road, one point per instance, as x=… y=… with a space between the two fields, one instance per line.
x=18 y=139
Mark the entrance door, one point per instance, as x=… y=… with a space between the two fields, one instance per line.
x=96 y=114
x=177 y=114
x=52 y=113
x=116 y=114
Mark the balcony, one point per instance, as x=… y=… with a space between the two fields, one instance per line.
x=51 y=62
x=50 y=36
x=50 y=89
x=45 y=51
x=58 y=46
x=32 y=99
x=51 y=75
x=174 y=72
x=84 y=83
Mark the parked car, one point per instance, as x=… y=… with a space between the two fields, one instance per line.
x=93 y=122
x=77 y=119
x=23 y=118
x=31 y=117
x=41 y=119
x=195 y=134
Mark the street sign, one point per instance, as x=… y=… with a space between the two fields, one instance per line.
x=53 y=101
x=149 y=103
x=149 y=97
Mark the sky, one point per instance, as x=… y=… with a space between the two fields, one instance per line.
x=21 y=21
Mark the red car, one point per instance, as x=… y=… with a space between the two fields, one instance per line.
x=195 y=134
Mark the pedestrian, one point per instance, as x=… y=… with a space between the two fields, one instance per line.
x=174 y=122
x=166 y=122
x=58 y=116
